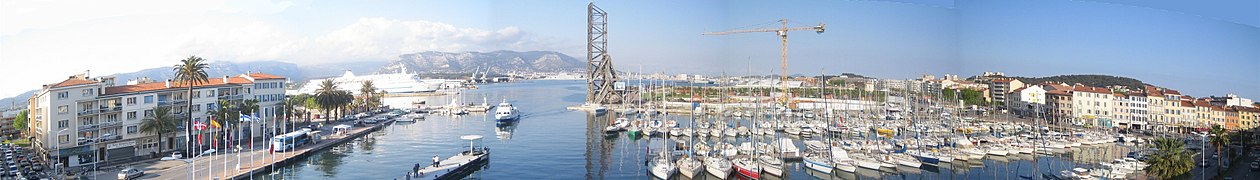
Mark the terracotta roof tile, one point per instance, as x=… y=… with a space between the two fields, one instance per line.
x=73 y=82
x=264 y=76
x=1091 y=89
x=174 y=85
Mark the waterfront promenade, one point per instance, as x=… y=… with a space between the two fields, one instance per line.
x=223 y=165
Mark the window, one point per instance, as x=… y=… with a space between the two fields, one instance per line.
x=148 y=99
x=63 y=124
x=63 y=138
x=131 y=115
x=111 y=117
x=131 y=129
x=88 y=92
x=131 y=101
x=63 y=109
x=148 y=113
x=196 y=108
x=196 y=94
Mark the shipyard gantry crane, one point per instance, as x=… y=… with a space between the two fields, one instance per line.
x=782 y=33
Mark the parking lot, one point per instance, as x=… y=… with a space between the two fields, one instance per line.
x=20 y=163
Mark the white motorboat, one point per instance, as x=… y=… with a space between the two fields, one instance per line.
x=506 y=112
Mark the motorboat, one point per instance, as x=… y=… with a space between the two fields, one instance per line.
x=505 y=112
x=457 y=166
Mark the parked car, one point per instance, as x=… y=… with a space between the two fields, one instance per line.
x=130 y=173
x=1255 y=166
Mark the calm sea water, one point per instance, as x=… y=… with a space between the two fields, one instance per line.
x=550 y=142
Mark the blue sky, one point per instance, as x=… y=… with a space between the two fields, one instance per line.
x=1202 y=49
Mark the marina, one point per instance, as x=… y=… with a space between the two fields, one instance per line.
x=542 y=144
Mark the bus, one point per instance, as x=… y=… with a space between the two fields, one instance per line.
x=291 y=140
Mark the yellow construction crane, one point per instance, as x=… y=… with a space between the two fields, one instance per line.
x=782 y=32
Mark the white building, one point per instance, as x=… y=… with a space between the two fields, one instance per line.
x=83 y=120
x=1092 y=106
x=1028 y=101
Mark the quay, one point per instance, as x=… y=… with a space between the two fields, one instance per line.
x=304 y=151
x=253 y=161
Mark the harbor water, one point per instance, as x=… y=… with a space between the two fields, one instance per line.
x=550 y=142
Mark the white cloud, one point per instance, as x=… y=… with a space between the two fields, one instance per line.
x=53 y=46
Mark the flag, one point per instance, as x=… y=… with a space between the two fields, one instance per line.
x=248 y=118
x=215 y=124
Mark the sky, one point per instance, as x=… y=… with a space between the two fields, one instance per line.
x=1201 y=49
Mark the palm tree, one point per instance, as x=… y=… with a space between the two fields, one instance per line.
x=343 y=100
x=327 y=98
x=161 y=122
x=1220 y=137
x=191 y=72
x=368 y=91
x=1170 y=159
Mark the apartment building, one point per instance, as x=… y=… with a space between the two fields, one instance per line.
x=1027 y=101
x=1092 y=106
x=999 y=87
x=83 y=120
x=1132 y=111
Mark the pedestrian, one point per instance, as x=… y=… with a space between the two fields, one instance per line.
x=436 y=160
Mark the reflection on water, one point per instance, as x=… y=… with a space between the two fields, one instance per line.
x=549 y=142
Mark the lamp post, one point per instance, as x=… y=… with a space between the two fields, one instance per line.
x=57 y=158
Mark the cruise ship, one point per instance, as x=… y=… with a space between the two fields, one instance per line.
x=400 y=82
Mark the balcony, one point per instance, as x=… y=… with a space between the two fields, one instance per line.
x=87 y=113
x=110 y=124
x=89 y=127
x=238 y=96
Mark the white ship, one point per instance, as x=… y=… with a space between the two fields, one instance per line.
x=401 y=82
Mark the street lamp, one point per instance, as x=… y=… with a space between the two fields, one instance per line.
x=57 y=160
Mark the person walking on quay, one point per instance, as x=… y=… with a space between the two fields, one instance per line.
x=436 y=161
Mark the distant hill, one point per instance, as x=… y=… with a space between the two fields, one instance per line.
x=496 y=61
x=1090 y=80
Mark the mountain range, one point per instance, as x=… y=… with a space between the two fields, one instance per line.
x=496 y=62
x=421 y=63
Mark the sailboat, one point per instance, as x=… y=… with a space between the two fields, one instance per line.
x=663 y=167
x=717 y=166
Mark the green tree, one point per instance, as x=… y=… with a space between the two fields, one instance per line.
x=191 y=72
x=19 y=122
x=1220 y=137
x=161 y=122
x=327 y=97
x=368 y=93
x=1170 y=159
